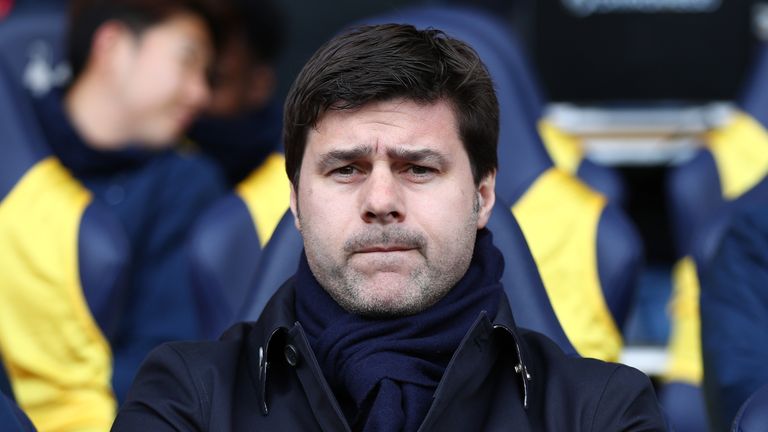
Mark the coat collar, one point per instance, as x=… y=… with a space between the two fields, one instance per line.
x=266 y=336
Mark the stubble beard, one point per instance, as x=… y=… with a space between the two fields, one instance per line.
x=422 y=288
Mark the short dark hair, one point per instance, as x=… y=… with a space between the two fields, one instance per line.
x=388 y=61
x=86 y=16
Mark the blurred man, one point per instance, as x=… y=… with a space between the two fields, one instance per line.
x=140 y=77
x=241 y=125
x=395 y=319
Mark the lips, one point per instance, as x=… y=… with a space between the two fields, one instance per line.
x=374 y=249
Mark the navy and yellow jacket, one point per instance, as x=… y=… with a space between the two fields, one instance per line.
x=157 y=196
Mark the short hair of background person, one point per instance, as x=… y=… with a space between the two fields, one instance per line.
x=434 y=69
x=87 y=16
x=141 y=69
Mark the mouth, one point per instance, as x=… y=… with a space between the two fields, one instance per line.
x=385 y=249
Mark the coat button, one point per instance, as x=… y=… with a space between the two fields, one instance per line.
x=291 y=355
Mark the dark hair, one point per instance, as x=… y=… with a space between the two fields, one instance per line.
x=86 y=16
x=383 y=62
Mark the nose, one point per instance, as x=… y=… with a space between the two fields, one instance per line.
x=382 y=200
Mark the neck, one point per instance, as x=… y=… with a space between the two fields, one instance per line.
x=96 y=116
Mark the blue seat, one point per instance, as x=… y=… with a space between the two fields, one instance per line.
x=5 y=383
x=753 y=414
x=728 y=174
x=523 y=160
x=224 y=249
x=528 y=299
x=226 y=243
x=12 y=419
x=32 y=46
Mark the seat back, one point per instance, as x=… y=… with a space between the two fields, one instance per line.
x=32 y=45
x=729 y=173
x=5 y=383
x=226 y=243
x=12 y=419
x=753 y=415
x=279 y=261
x=224 y=251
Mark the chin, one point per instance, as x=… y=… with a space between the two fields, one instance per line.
x=393 y=298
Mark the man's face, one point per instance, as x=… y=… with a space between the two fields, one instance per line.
x=388 y=207
x=162 y=82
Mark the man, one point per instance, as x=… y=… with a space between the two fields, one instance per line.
x=139 y=78
x=395 y=319
x=241 y=125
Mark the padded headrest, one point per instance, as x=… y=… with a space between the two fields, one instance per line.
x=23 y=142
x=32 y=46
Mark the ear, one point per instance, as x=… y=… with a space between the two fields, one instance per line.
x=108 y=43
x=295 y=207
x=486 y=196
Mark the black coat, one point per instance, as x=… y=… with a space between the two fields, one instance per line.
x=263 y=376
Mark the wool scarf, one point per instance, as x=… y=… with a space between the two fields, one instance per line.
x=384 y=372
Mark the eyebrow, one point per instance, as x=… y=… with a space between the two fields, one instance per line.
x=337 y=157
x=420 y=155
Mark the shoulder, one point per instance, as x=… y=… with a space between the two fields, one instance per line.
x=184 y=386
x=188 y=167
x=594 y=394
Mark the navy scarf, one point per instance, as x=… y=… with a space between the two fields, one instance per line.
x=385 y=371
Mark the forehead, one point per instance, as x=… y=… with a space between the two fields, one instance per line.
x=382 y=125
x=186 y=29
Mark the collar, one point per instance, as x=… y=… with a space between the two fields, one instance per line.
x=70 y=147
x=267 y=336
x=504 y=325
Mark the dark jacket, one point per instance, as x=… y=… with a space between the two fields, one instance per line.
x=263 y=376
x=734 y=316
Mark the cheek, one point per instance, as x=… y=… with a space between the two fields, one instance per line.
x=158 y=83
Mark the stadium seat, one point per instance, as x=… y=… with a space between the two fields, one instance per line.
x=728 y=173
x=226 y=243
x=12 y=419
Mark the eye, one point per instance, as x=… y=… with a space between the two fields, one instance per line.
x=345 y=170
x=420 y=170
x=345 y=174
x=420 y=173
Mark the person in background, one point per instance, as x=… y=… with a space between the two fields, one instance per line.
x=395 y=319
x=140 y=77
x=241 y=125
